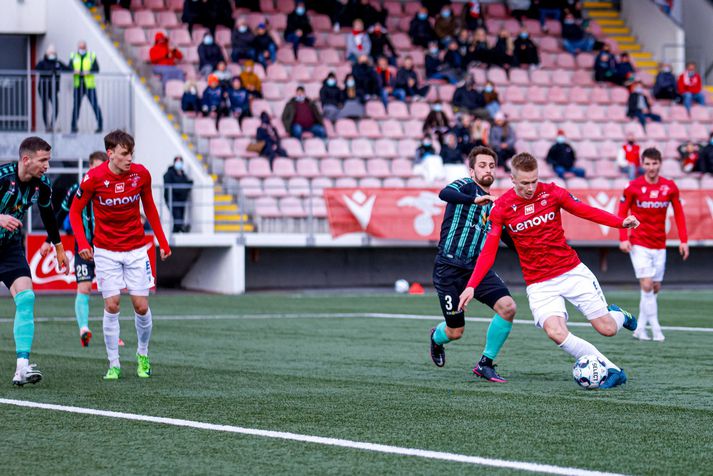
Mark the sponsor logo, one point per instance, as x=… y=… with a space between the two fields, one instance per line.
x=44 y=269
x=603 y=201
x=530 y=209
x=537 y=221
x=643 y=189
x=106 y=183
x=86 y=177
x=119 y=187
x=514 y=207
x=361 y=207
x=651 y=204
x=654 y=194
x=430 y=206
x=110 y=202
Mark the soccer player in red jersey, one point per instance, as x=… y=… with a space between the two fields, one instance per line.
x=551 y=268
x=114 y=189
x=648 y=197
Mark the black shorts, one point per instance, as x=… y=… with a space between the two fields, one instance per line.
x=450 y=281
x=83 y=269
x=13 y=263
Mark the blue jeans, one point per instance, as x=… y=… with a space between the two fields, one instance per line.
x=688 y=99
x=642 y=116
x=554 y=13
x=316 y=129
x=451 y=78
x=560 y=171
x=91 y=94
x=307 y=40
x=632 y=171
x=583 y=45
x=492 y=108
x=260 y=57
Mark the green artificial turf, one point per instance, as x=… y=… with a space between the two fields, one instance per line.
x=357 y=378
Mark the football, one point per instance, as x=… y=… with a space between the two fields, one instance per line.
x=401 y=286
x=589 y=371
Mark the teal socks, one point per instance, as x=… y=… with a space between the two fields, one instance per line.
x=498 y=333
x=24 y=328
x=440 y=337
x=81 y=310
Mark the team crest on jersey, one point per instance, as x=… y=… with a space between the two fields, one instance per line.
x=86 y=177
x=134 y=180
x=654 y=194
x=106 y=183
x=643 y=189
x=543 y=202
x=35 y=195
x=664 y=190
x=119 y=187
x=530 y=209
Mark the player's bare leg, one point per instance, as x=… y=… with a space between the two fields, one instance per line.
x=24 y=331
x=81 y=311
x=144 y=325
x=111 y=335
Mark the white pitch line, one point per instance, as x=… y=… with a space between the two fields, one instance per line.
x=372 y=315
x=320 y=440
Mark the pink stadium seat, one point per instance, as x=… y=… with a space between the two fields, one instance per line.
x=497 y=76
x=235 y=168
x=345 y=182
x=407 y=148
x=608 y=149
x=678 y=114
x=402 y=168
x=369 y=128
x=220 y=147
x=392 y=129
x=318 y=184
x=571 y=130
x=552 y=112
x=307 y=56
x=167 y=19
x=267 y=6
x=398 y=110
x=600 y=95
x=413 y=129
x=699 y=114
x=386 y=148
x=240 y=147
x=548 y=130
x=419 y=110
x=579 y=95
x=394 y=8
x=249 y=126
x=205 y=127
x=337 y=40
x=314 y=147
x=378 y=168
x=585 y=61
x=328 y=56
x=174 y=88
x=707 y=182
x=525 y=130
x=549 y=44
x=587 y=150
x=634 y=128
x=548 y=60
x=515 y=94
x=271 y=91
x=308 y=167
x=180 y=37
x=595 y=112
x=675 y=131
x=698 y=131
x=577 y=183
x=175 y=5
x=613 y=131
x=375 y=110
x=198 y=34
x=393 y=182
x=531 y=112
x=496 y=10
x=292 y=207
x=519 y=76
x=445 y=92
x=284 y=167
x=600 y=182
x=300 y=73
x=121 y=18
x=144 y=18
x=274 y=187
x=338 y=148
x=688 y=183
x=401 y=41
x=278 y=21
x=370 y=182
x=411 y=8
x=251 y=187
x=362 y=148
x=191 y=56
x=285 y=55
x=565 y=61
x=259 y=167
x=540 y=148
x=573 y=112
x=537 y=95
x=511 y=111
x=656 y=131
x=619 y=95
x=346 y=128
x=228 y=127
x=135 y=36
x=617 y=113
x=266 y=207
x=293 y=147
x=297 y=186
x=355 y=168
x=582 y=78
x=155 y=5
x=321 y=22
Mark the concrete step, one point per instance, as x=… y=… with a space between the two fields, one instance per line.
x=241 y=217
x=611 y=22
x=642 y=55
x=228 y=208
x=623 y=38
x=247 y=227
x=616 y=30
x=598 y=5
x=597 y=14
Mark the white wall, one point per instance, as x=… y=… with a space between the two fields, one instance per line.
x=23 y=16
x=157 y=143
x=656 y=32
x=697 y=16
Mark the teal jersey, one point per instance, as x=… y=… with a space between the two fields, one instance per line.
x=17 y=197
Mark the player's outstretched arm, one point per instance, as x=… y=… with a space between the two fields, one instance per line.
x=154 y=219
x=452 y=194
x=597 y=215
x=75 y=220
x=482 y=266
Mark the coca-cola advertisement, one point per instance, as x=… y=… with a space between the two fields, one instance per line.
x=46 y=277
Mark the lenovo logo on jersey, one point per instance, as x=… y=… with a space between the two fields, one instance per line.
x=651 y=204
x=110 y=202
x=537 y=221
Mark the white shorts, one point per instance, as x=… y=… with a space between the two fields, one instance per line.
x=579 y=286
x=117 y=270
x=648 y=263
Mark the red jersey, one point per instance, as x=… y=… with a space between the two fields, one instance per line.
x=649 y=203
x=117 y=216
x=535 y=227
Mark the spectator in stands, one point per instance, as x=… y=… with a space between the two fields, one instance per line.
x=436 y=122
x=125 y=4
x=301 y=114
x=575 y=38
x=446 y=25
x=268 y=134
x=264 y=46
x=363 y=10
x=331 y=97
x=467 y=99
x=629 y=159
x=427 y=162
x=214 y=99
x=473 y=16
x=84 y=64
x=223 y=75
x=380 y=43
x=464 y=40
x=525 y=50
x=190 y=102
x=461 y=130
x=177 y=189
x=242 y=39
x=358 y=42
x=454 y=60
x=218 y=12
x=407 y=86
x=689 y=153
x=209 y=55
x=502 y=140
x=705 y=162
x=639 y=106
x=503 y=53
x=48 y=87
x=575 y=6
x=250 y=80
x=624 y=70
x=239 y=100
x=353 y=107
x=334 y=9
x=690 y=87
x=426 y=148
x=367 y=79
x=605 y=66
x=519 y=9
x=387 y=79
x=479 y=50
x=479 y=132
x=450 y=153
x=193 y=12
x=420 y=29
x=561 y=157
x=436 y=68
x=548 y=9
x=665 y=84
x=492 y=99
x=299 y=29
x=164 y=58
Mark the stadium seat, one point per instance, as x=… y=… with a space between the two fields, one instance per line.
x=587 y=150
x=600 y=95
x=221 y=148
x=573 y=112
x=407 y=148
x=688 y=183
x=156 y=5
x=328 y=56
x=298 y=186
x=135 y=36
x=378 y=168
x=699 y=114
x=180 y=37
x=362 y=148
x=259 y=167
x=284 y=167
x=572 y=131
x=251 y=187
x=497 y=76
x=355 y=168
x=144 y=19
x=277 y=72
x=698 y=132
x=175 y=5
x=240 y=147
x=369 y=128
x=548 y=130
x=307 y=56
x=671 y=169
x=537 y=95
x=236 y=168
x=613 y=131
x=398 y=110
x=338 y=148
x=419 y=110
x=266 y=207
x=308 y=167
x=386 y=148
x=346 y=128
x=228 y=127
x=314 y=148
x=205 y=127
x=707 y=182
x=445 y=92
x=519 y=77
x=414 y=129
x=274 y=187
x=402 y=168
x=392 y=129
x=345 y=182
x=370 y=182
x=552 y=112
x=418 y=183
x=292 y=207
x=525 y=130
x=121 y=18
x=375 y=110
x=531 y=112
x=540 y=148
x=393 y=182
x=167 y=20
x=331 y=168
x=293 y=147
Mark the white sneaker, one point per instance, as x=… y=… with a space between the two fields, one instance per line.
x=659 y=337
x=29 y=374
x=641 y=335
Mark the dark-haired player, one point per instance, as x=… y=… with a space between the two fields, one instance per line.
x=465 y=225
x=23 y=183
x=552 y=270
x=114 y=189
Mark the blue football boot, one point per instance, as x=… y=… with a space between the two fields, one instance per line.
x=614 y=379
x=629 y=319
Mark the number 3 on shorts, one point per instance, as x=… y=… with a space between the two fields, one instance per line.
x=449 y=302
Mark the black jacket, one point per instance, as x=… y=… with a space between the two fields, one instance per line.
x=366 y=78
x=298 y=22
x=379 y=45
x=705 y=160
x=331 y=95
x=179 y=193
x=633 y=105
x=468 y=99
x=421 y=32
x=209 y=55
x=562 y=155
x=52 y=68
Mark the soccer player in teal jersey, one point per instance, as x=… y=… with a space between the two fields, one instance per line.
x=22 y=184
x=83 y=269
x=465 y=225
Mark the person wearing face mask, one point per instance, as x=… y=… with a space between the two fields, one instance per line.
x=299 y=29
x=250 y=80
x=436 y=68
x=639 y=106
x=502 y=139
x=214 y=100
x=190 y=101
x=331 y=98
x=354 y=101
x=492 y=99
x=407 y=84
x=690 y=87
x=301 y=114
x=605 y=66
x=48 y=86
x=427 y=163
x=420 y=30
x=436 y=122
x=177 y=189
x=665 y=84
x=624 y=70
x=239 y=100
x=473 y=16
x=562 y=157
x=629 y=157
x=164 y=59
x=242 y=39
x=446 y=25
x=503 y=53
x=689 y=154
x=468 y=99
x=85 y=65
x=525 y=50
x=264 y=46
x=358 y=42
x=575 y=39
x=209 y=55
x=380 y=43
x=705 y=161
x=367 y=79
x=267 y=134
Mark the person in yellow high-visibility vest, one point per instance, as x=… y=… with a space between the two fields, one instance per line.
x=84 y=64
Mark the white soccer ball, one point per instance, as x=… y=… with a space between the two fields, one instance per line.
x=401 y=286
x=589 y=371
